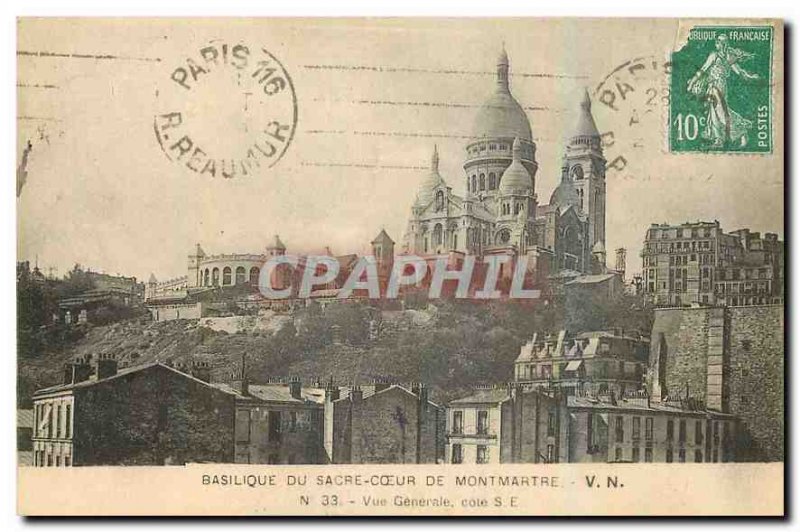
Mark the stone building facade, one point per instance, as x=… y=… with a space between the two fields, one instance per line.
x=633 y=428
x=278 y=423
x=731 y=360
x=499 y=212
x=382 y=424
x=515 y=425
x=208 y=271
x=109 y=295
x=237 y=275
x=498 y=424
x=144 y=415
x=698 y=263
x=592 y=362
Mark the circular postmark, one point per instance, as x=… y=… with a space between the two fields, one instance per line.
x=630 y=103
x=227 y=110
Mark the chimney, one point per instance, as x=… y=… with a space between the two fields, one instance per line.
x=68 y=373
x=295 y=387
x=356 y=395
x=244 y=387
x=514 y=389
x=620 y=261
x=422 y=394
x=380 y=384
x=201 y=370
x=331 y=391
x=331 y=395
x=106 y=366
x=422 y=418
x=78 y=370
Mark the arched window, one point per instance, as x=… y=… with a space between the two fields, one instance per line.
x=205 y=278
x=483 y=182
x=254 y=273
x=455 y=241
x=226 y=276
x=492 y=181
x=240 y=275
x=215 y=277
x=474 y=184
x=439 y=200
x=437 y=235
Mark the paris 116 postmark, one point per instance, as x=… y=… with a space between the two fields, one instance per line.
x=226 y=110
x=721 y=91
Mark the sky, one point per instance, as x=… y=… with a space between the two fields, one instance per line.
x=373 y=97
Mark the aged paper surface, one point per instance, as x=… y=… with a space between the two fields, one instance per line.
x=400 y=266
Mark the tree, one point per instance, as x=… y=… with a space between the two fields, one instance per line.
x=313 y=329
x=75 y=282
x=596 y=311
x=350 y=320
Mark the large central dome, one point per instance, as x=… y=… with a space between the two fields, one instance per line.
x=501 y=115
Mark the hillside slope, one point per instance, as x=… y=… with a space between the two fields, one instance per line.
x=450 y=346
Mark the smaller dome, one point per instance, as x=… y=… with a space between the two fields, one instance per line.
x=565 y=194
x=431 y=181
x=598 y=247
x=516 y=177
x=276 y=244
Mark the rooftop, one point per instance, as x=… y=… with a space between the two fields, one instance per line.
x=639 y=403
x=371 y=391
x=593 y=279
x=281 y=393
x=490 y=395
x=92 y=380
x=24 y=418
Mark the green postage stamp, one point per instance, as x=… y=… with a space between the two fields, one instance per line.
x=721 y=91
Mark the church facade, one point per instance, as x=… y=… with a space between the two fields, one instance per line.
x=500 y=211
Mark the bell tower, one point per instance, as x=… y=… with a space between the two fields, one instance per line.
x=383 y=252
x=193 y=277
x=586 y=167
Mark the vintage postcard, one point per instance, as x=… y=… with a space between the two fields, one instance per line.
x=408 y=267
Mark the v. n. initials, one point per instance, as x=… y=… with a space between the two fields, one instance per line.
x=611 y=482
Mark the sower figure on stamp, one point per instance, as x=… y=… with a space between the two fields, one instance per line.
x=723 y=124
